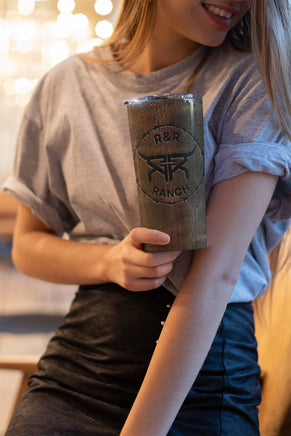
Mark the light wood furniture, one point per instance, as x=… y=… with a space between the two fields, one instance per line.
x=26 y=324
x=8 y=207
x=26 y=364
x=273 y=331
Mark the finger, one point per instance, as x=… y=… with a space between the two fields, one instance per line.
x=144 y=284
x=152 y=272
x=161 y=258
x=143 y=235
x=143 y=259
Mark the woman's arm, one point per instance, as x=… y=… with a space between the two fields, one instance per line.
x=39 y=253
x=235 y=209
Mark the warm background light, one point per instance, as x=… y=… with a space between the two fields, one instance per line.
x=66 y=6
x=26 y=7
x=103 y=7
x=34 y=36
x=103 y=29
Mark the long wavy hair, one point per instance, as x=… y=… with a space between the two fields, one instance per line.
x=264 y=29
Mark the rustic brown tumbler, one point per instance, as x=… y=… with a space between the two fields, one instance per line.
x=167 y=143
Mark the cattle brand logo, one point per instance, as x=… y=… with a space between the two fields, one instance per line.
x=169 y=164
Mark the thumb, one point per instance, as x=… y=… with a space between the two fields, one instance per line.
x=143 y=235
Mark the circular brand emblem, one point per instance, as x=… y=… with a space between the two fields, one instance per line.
x=169 y=164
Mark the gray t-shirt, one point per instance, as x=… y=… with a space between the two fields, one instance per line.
x=74 y=165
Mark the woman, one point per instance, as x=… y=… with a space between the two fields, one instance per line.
x=74 y=177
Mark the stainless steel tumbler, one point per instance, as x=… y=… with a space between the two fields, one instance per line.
x=167 y=144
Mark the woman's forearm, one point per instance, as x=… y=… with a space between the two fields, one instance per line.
x=181 y=350
x=39 y=253
x=48 y=257
x=234 y=211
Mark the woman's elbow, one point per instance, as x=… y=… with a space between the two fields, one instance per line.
x=22 y=254
x=17 y=256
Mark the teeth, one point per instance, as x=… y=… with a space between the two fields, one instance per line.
x=217 y=11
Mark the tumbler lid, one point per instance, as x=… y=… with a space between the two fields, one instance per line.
x=163 y=97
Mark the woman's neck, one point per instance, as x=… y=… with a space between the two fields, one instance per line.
x=160 y=53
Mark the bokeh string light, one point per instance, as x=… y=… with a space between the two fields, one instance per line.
x=103 y=7
x=37 y=34
x=34 y=36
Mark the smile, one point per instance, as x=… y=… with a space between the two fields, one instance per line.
x=218 y=11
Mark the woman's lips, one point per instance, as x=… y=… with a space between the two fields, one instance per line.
x=220 y=15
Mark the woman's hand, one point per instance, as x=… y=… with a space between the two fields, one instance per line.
x=235 y=209
x=136 y=270
x=39 y=253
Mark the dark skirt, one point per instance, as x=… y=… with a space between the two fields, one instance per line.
x=94 y=365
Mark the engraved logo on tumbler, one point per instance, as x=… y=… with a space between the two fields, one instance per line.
x=167 y=176
x=167 y=164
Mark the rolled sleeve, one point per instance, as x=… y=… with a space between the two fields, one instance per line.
x=233 y=160
x=37 y=180
x=42 y=210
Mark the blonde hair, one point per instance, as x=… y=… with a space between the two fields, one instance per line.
x=132 y=31
x=271 y=45
x=265 y=30
x=280 y=265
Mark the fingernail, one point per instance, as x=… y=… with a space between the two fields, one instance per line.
x=164 y=237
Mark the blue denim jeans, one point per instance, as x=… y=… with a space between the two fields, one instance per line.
x=224 y=398
x=94 y=365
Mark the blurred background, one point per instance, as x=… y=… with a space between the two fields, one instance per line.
x=34 y=36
